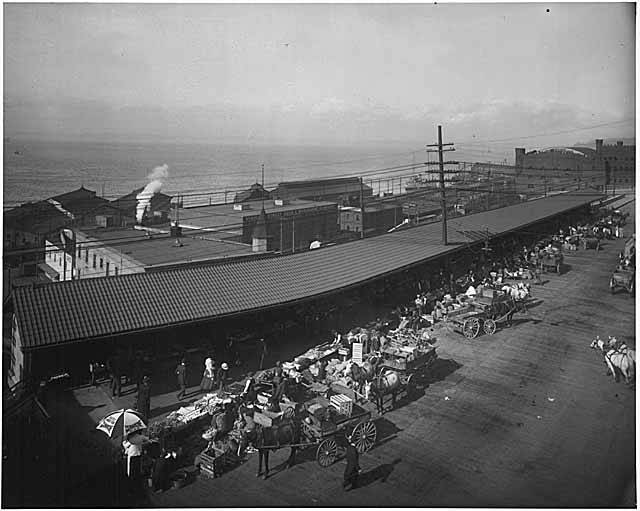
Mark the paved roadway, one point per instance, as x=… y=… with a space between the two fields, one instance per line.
x=531 y=419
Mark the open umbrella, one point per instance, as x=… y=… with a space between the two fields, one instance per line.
x=121 y=423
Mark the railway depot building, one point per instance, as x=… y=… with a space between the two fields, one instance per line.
x=60 y=327
x=606 y=164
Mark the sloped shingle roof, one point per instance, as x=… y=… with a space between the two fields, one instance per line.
x=102 y=307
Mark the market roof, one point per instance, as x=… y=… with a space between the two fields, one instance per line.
x=105 y=307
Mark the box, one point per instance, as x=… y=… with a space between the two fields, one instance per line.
x=343 y=404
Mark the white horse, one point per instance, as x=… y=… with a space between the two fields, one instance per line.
x=621 y=347
x=518 y=292
x=598 y=344
x=622 y=362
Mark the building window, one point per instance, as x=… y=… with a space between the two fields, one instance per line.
x=116 y=270
x=86 y=256
x=101 y=263
x=94 y=260
x=79 y=251
x=107 y=271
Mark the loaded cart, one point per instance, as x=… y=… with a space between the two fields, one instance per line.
x=624 y=278
x=339 y=415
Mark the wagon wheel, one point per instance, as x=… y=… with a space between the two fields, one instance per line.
x=489 y=326
x=612 y=286
x=289 y=413
x=471 y=328
x=327 y=452
x=558 y=268
x=364 y=436
x=632 y=287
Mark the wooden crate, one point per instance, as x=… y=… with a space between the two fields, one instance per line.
x=342 y=403
x=214 y=462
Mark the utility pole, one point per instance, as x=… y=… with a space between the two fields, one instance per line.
x=262 y=185
x=443 y=201
x=361 y=208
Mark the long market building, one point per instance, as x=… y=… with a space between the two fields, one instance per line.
x=61 y=326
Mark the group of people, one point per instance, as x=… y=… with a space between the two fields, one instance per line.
x=212 y=378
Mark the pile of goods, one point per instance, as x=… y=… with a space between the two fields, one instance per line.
x=315 y=354
x=339 y=372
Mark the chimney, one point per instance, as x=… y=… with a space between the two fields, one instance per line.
x=259 y=237
x=520 y=157
x=598 y=145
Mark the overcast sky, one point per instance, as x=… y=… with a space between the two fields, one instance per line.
x=317 y=74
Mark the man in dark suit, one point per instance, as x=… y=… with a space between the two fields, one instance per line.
x=115 y=374
x=352 y=469
x=181 y=373
x=143 y=400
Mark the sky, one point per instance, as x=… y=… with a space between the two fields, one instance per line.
x=342 y=74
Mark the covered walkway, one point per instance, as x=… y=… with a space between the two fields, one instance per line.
x=107 y=307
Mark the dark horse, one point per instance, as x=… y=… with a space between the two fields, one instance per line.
x=265 y=439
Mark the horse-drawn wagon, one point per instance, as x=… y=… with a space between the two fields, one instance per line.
x=551 y=260
x=497 y=310
x=318 y=423
x=483 y=314
x=623 y=278
x=590 y=242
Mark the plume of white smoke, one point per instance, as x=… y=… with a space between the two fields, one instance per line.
x=156 y=178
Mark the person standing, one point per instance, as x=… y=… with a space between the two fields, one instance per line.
x=352 y=469
x=263 y=352
x=143 y=400
x=181 y=373
x=223 y=376
x=114 y=373
x=137 y=369
x=92 y=372
x=208 y=378
x=249 y=394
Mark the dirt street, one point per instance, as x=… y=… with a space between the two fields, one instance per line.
x=523 y=418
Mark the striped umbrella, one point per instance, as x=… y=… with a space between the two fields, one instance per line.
x=121 y=423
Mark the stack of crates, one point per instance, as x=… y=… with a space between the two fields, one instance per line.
x=343 y=404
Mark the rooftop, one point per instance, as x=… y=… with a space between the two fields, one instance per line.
x=224 y=216
x=161 y=248
x=57 y=313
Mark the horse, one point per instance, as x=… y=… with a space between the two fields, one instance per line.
x=622 y=362
x=265 y=439
x=361 y=374
x=599 y=344
x=387 y=382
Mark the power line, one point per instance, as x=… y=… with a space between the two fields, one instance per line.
x=562 y=132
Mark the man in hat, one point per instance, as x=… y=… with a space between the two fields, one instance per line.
x=223 y=376
x=352 y=469
x=181 y=373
